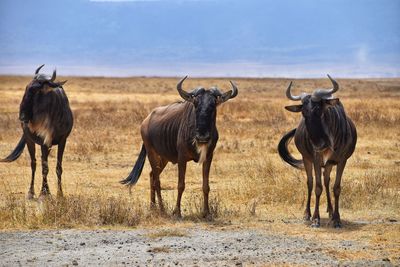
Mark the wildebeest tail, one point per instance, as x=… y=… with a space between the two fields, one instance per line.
x=284 y=152
x=137 y=169
x=16 y=152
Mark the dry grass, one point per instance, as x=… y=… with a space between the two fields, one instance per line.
x=249 y=182
x=167 y=233
x=163 y=249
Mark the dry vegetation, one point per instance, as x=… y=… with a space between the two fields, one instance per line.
x=250 y=185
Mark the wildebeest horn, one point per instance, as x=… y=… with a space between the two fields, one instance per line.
x=230 y=94
x=289 y=94
x=185 y=95
x=325 y=93
x=53 y=77
x=294 y=97
x=234 y=89
x=335 y=85
x=38 y=69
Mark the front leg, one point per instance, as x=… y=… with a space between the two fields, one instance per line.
x=206 y=185
x=318 y=189
x=327 y=172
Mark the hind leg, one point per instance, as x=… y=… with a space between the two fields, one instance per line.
x=157 y=166
x=318 y=190
x=308 y=166
x=157 y=184
x=45 y=170
x=181 y=187
x=336 y=190
x=31 y=149
x=152 y=191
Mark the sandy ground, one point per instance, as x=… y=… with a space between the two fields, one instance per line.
x=184 y=247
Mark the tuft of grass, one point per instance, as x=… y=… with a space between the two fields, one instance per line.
x=163 y=249
x=167 y=233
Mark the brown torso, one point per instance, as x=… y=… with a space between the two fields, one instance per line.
x=169 y=131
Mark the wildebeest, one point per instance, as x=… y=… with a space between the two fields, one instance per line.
x=325 y=137
x=46 y=120
x=178 y=133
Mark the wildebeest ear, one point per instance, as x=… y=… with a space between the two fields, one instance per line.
x=62 y=83
x=294 y=108
x=331 y=102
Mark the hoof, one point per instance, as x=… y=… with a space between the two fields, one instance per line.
x=60 y=195
x=337 y=225
x=207 y=216
x=30 y=196
x=307 y=215
x=44 y=196
x=177 y=214
x=316 y=224
x=162 y=210
x=330 y=212
x=153 y=207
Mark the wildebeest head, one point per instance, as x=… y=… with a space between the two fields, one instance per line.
x=205 y=102
x=40 y=84
x=312 y=108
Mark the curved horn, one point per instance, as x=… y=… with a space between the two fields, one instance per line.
x=289 y=94
x=335 y=85
x=230 y=94
x=38 y=69
x=234 y=90
x=53 y=77
x=185 y=95
x=325 y=93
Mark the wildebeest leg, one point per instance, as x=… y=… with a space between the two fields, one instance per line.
x=181 y=187
x=31 y=149
x=206 y=185
x=318 y=189
x=336 y=191
x=308 y=166
x=327 y=172
x=152 y=191
x=59 y=170
x=157 y=166
x=157 y=184
x=45 y=170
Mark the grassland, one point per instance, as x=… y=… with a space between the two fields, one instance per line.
x=250 y=185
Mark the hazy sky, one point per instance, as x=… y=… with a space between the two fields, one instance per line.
x=290 y=38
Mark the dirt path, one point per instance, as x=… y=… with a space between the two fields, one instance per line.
x=181 y=247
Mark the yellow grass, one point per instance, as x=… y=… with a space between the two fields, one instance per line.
x=167 y=233
x=250 y=185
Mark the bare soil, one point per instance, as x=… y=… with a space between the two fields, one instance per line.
x=187 y=246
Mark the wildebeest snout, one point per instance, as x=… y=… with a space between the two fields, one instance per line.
x=203 y=138
x=23 y=117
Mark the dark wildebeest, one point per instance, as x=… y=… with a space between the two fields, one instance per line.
x=325 y=137
x=46 y=120
x=179 y=133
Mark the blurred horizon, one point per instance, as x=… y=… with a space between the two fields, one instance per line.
x=201 y=38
